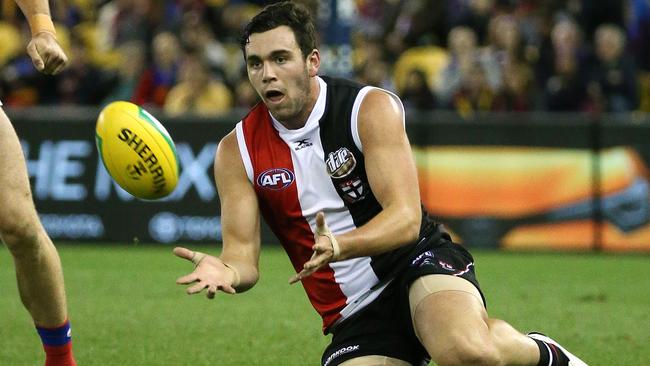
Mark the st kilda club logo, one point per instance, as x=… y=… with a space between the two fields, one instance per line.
x=340 y=163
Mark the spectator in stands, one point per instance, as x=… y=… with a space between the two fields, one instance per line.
x=638 y=30
x=67 y=12
x=19 y=83
x=516 y=94
x=474 y=14
x=612 y=82
x=245 y=95
x=376 y=73
x=161 y=75
x=418 y=23
x=464 y=56
x=475 y=93
x=374 y=16
x=505 y=43
x=519 y=35
x=81 y=83
x=198 y=92
x=22 y=84
x=132 y=61
x=416 y=93
x=121 y=21
x=197 y=34
x=564 y=89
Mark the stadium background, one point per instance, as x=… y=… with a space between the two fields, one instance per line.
x=527 y=117
x=527 y=140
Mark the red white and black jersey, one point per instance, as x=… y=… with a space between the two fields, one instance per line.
x=319 y=167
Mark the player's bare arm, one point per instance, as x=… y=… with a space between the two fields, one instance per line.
x=44 y=49
x=393 y=178
x=236 y=269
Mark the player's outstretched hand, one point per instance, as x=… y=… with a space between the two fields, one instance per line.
x=326 y=250
x=209 y=273
x=46 y=53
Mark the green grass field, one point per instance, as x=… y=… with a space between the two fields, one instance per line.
x=127 y=310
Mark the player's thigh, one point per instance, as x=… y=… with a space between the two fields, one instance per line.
x=375 y=361
x=447 y=313
x=15 y=193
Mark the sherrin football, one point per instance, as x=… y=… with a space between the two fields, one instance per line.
x=136 y=150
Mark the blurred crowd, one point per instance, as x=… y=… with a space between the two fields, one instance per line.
x=183 y=56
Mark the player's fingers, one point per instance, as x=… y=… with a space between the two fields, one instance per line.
x=197 y=288
x=320 y=220
x=300 y=275
x=38 y=62
x=295 y=278
x=183 y=253
x=228 y=289
x=212 y=290
x=311 y=264
x=49 y=66
x=60 y=62
x=190 y=278
x=322 y=248
x=59 y=67
x=317 y=261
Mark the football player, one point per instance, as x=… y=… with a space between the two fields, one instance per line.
x=327 y=163
x=38 y=267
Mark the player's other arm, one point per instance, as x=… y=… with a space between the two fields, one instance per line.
x=392 y=176
x=44 y=50
x=393 y=179
x=237 y=266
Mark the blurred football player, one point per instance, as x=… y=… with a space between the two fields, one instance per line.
x=38 y=267
x=388 y=282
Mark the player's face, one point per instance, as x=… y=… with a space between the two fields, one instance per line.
x=281 y=75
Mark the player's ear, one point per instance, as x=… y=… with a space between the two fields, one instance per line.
x=313 y=62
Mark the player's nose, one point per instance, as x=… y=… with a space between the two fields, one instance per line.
x=268 y=73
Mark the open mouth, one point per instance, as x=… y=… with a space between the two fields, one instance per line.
x=274 y=96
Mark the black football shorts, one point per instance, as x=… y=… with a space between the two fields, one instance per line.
x=384 y=327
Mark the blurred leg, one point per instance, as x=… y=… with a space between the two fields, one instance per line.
x=38 y=267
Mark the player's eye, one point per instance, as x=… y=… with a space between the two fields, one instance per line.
x=254 y=64
x=280 y=59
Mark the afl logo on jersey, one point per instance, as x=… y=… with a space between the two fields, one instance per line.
x=275 y=179
x=340 y=163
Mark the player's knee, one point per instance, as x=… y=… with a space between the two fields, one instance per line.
x=19 y=235
x=469 y=351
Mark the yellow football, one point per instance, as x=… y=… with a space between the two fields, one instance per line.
x=136 y=150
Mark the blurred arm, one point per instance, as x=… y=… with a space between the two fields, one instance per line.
x=37 y=13
x=44 y=49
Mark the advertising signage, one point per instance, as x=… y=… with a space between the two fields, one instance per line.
x=511 y=182
x=77 y=199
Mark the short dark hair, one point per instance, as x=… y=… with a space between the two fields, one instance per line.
x=293 y=15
